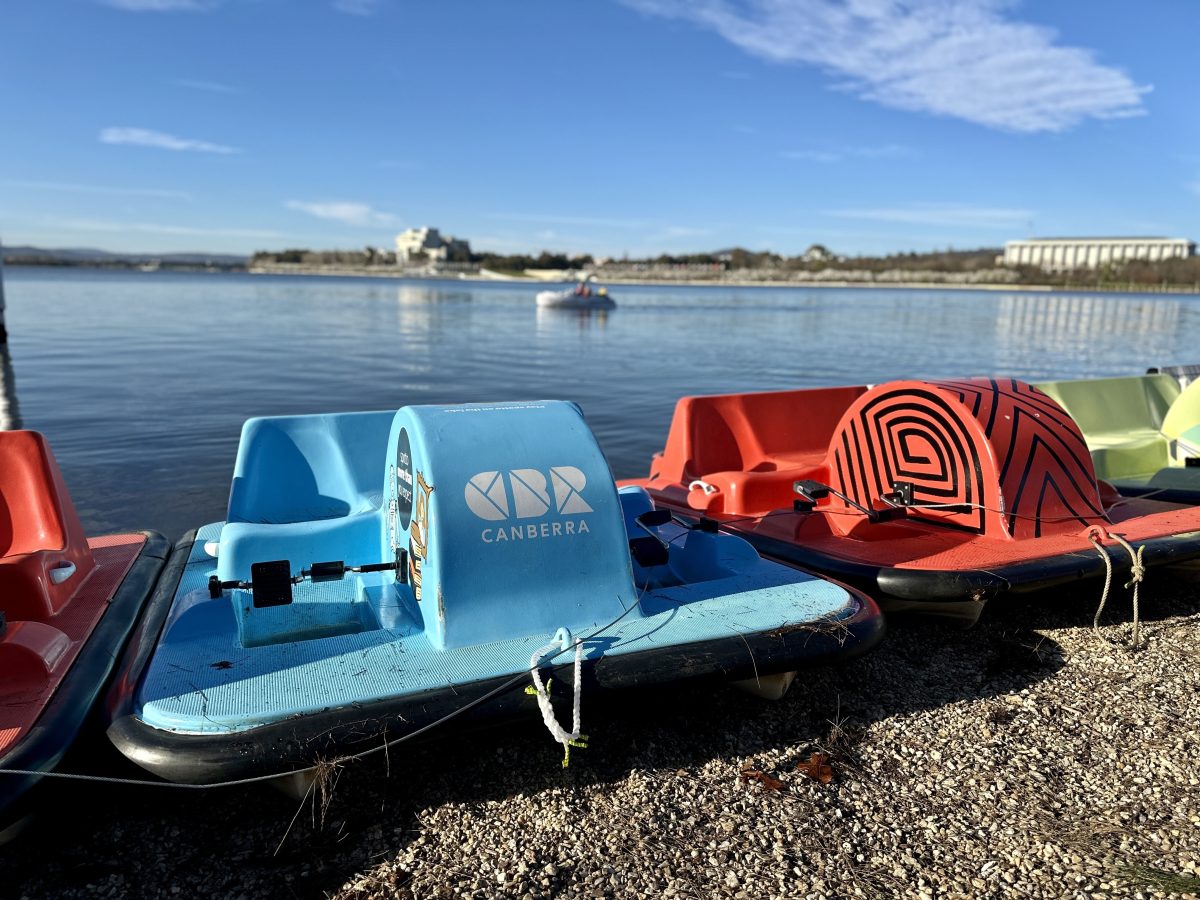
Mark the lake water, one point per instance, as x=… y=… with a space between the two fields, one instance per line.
x=142 y=380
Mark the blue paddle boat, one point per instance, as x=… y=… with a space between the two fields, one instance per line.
x=378 y=572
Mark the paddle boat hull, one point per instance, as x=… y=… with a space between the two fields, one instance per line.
x=933 y=496
x=481 y=533
x=572 y=299
x=68 y=604
x=1143 y=431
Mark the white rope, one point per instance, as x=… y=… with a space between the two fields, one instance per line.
x=708 y=489
x=573 y=738
x=1137 y=574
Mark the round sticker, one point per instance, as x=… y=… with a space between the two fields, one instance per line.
x=404 y=480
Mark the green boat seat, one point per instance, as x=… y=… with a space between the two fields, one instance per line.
x=1121 y=420
x=1182 y=423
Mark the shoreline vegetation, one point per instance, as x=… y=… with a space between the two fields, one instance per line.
x=817 y=267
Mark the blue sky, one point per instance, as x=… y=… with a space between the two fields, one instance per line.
x=609 y=126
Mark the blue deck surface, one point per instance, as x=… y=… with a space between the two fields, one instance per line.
x=189 y=687
x=508 y=526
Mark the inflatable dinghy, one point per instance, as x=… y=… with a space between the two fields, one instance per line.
x=1143 y=431
x=68 y=603
x=933 y=495
x=581 y=297
x=379 y=571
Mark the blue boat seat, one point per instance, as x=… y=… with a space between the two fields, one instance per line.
x=305 y=486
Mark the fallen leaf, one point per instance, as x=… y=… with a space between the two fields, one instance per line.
x=767 y=781
x=818 y=768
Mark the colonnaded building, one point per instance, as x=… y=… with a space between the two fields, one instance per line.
x=1064 y=254
x=435 y=246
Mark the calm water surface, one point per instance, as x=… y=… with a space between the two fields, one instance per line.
x=142 y=380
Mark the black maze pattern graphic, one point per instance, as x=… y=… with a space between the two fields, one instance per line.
x=1045 y=473
x=912 y=434
x=958 y=440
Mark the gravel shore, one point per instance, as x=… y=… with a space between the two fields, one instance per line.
x=1023 y=757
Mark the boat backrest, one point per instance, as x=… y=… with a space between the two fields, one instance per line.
x=510 y=520
x=1104 y=406
x=750 y=432
x=307 y=468
x=39 y=529
x=994 y=457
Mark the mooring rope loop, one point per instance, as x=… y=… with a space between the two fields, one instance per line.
x=573 y=738
x=1137 y=574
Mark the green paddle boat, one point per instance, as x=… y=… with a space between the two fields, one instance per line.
x=1143 y=430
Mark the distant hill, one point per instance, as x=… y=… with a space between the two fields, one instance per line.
x=79 y=255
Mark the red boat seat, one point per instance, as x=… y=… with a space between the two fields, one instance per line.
x=749 y=448
x=44 y=553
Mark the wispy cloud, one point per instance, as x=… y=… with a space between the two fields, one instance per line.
x=144 y=137
x=98 y=189
x=357 y=7
x=682 y=231
x=967 y=59
x=552 y=219
x=108 y=225
x=213 y=87
x=940 y=215
x=161 y=5
x=882 y=151
x=818 y=156
x=359 y=215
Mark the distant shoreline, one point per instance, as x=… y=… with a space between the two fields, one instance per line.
x=470 y=278
x=736 y=282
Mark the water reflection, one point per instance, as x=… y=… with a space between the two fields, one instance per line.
x=1051 y=335
x=10 y=412
x=552 y=320
x=421 y=294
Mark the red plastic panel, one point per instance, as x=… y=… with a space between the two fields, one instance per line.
x=757 y=443
x=39 y=530
x=35 y=656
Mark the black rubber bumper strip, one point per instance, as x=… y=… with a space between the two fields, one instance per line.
x=956 y=585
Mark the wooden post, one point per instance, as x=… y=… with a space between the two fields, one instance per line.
x=10 y=414
x=3 y=330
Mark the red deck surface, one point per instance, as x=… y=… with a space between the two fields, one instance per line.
x=916 y=546
x=26 y=686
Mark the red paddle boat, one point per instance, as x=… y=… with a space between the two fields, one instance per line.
x=67 y=605
x=934 y=495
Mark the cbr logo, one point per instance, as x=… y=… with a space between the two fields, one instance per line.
x=488 y=499
x=527 y=495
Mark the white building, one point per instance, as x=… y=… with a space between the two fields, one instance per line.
x=1064 y=254
x=436 y=247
